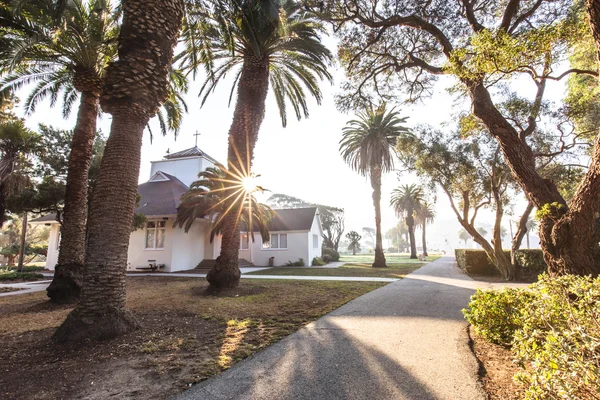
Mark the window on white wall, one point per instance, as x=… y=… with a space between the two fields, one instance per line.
x=315 y=241
x=155 y=234
x=278 y=241
x=245 y=241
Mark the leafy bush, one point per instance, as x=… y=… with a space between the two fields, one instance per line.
x=21 y=276
x=28 y=268
x=529 y=263
x=496 y=314
x=554 y=330
x=299 y=263
x=474 y=262
x=559 y=343
x=331 y=253
x=326 y=259
x=318 y=262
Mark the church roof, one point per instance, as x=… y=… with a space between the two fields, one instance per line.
x=160 y=196
x=291 y=219
x=191 y=152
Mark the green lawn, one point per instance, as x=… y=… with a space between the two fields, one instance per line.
x=392 y=258
x=353 y=270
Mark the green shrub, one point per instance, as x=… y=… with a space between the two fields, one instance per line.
x=554 y=329
x=29 y=268
x=530 y=263
x=21 y=276
x=474 y=262
x=318 y=262
x=299 y=263
x=331 y=253
x=559 y=343
x=326 y=259
x=496 y=314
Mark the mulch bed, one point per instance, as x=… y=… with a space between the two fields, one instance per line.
x=187 y=335
x=497 y=369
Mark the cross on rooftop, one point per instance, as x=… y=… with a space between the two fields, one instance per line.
x=197 y=134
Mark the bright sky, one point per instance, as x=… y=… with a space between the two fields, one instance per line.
x=302 y=159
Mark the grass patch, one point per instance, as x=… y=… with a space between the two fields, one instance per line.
x=9 y=289
x=12 y=277
x=29 y=268
x=396 y=271
x=186 y=336
x=391 y=258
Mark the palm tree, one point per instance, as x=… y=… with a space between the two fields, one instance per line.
x=530 y=224
x=368 y=145
x=206 y=199
x=16 y=144
x=406 y=200
x=354 y=241
x=264 y=44
x=425 y=215
x=69 y=55
x=135 y=86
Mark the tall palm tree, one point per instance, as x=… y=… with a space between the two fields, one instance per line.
x=264 y=44
x=425 y=215
x=68 y=53
x=135 y=86
x=16 y=144
x=406 y=200
x=368 y=145
x=206 y=199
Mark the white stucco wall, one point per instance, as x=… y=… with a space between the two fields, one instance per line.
x=53 y=243
x=297 y=247
x=315 y=230
x=186 y=169
x=138 y=256
x=189 y=248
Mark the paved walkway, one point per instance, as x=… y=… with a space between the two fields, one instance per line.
x=406 y=340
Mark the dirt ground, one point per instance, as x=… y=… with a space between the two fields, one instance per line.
x=498 y=369
x=186 y=337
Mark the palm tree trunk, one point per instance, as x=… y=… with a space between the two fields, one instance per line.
x=148 y=36
x=66 y=284
x=424 y=239
x=23 y=243
x=413 y=241
x=380 y=261
x=101 y=312
x=243 y=133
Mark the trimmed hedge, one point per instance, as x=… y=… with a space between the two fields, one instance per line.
x=530 y=262
x=553 y=330
x=24 y=276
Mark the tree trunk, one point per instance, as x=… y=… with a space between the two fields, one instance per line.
x=135 y=86
x=66 y=284
x=243 y=133
x=380 y=261
x=410 y=223
x=503 y=262
x=569 y=237
x=521 y=232
x=23 y=243
x=424 y=239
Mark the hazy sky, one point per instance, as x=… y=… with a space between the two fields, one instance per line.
x=302 y=159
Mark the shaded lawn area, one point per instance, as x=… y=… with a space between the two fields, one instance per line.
x=186 y=336
x=396 y=271
x=391 y=258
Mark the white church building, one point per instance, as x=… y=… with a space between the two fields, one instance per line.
x=295 y=233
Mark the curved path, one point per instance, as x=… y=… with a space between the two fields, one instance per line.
x=406 y=340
